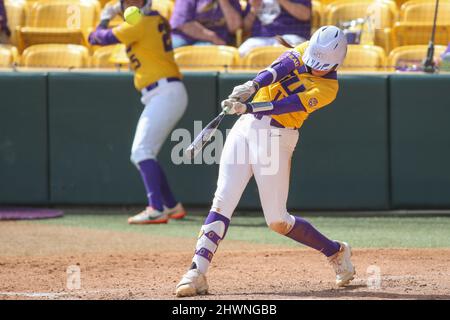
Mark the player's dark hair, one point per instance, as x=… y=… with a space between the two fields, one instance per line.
x=284 y=42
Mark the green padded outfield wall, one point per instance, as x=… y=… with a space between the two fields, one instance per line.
x=92 y=123
x=23 y=138
x=341 y=161
x=420 y=141
x=68 y=139
x=342 y=157
x=194 y=182
x=91 y=119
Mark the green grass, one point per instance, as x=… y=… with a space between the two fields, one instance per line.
x=363 y=232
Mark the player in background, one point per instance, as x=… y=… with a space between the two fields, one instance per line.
x=299 y=82
x=110 y=11
x=157 y=77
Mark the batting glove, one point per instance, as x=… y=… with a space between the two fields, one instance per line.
x=110 y=11
x=234 y=107
x=244 y=91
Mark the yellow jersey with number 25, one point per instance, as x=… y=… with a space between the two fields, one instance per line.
x=149 y=48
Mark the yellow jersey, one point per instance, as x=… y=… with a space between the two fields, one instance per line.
x=314 y=92
x=149 y=48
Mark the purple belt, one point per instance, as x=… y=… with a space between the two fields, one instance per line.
x=155 y=84
x=273 y=122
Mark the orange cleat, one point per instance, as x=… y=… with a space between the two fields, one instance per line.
x=149 y=216
x=176 y=212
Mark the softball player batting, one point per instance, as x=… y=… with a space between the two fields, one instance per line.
x=157 y=77
x=299 y=82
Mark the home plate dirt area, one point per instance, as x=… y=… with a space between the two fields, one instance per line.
x=35 y=259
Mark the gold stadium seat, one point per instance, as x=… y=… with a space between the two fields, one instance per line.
x=110 y=57
x=203 y=58
x=401 y=2
x=423 y=11
x=62 y=21
x=260 y=58
x=364 y=58
x=164 y=7
x=412 y=33
x=416 y=20
x=119 y=55
x=16 y=12
x=103 y=2
x=317 y=12
x=326 y=2
x=382 y=13
x=343 y=10
x=55 y=56
x=8 y=55
x=409 y=55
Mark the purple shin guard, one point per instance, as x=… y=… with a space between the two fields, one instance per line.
x=156 y=185
x=305 y=233
x=214 y=216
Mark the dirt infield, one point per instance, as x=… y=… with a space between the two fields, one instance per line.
x=120 y=265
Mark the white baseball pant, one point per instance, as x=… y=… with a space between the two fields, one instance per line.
x=164 y=107
x=254 y=147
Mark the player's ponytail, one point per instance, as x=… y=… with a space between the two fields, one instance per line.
x=284 y=42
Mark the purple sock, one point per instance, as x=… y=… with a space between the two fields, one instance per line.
x=151 y=175
x=305 y=233
x=167 y=195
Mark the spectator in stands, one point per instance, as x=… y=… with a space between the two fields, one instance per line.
x=109 y=12
x=5 y=33
x=205 y=22
x=266 y=19
x=444 y=60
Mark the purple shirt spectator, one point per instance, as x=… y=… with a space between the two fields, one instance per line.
x=444 y=60
x=206 y=12
x=283 y=24
x=447 y=51
x=3 y=20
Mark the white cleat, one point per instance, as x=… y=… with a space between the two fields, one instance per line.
x=176 y=212
x=193 y=283
x=149 y=216
x=342 y=265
